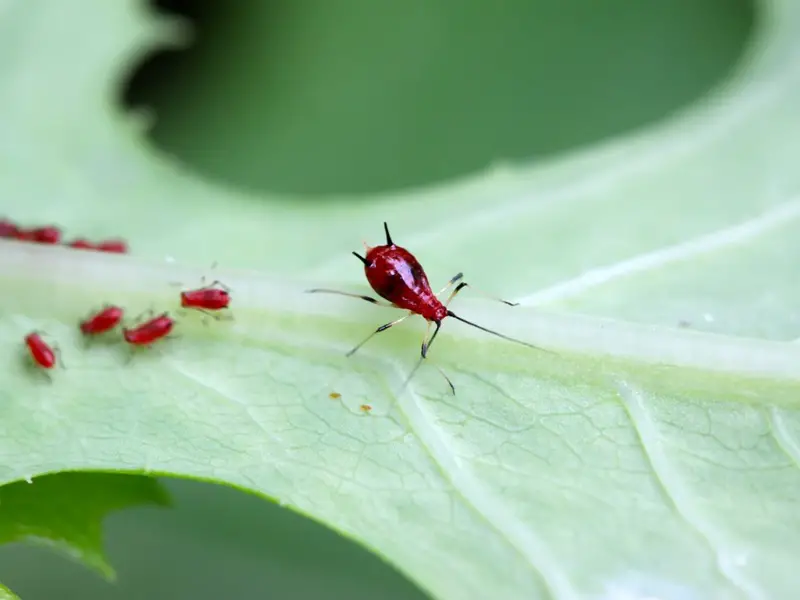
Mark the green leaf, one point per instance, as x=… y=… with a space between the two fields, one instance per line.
x=66 y=511
x=6 y=594
x=633 y=458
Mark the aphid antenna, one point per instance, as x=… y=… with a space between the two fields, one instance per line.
x=450 y=313
x=458 y=277
x=148 y=314
x=464 y=284
x=216 y=282
x=202 y=279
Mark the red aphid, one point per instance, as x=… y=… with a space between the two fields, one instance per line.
x=41 y=352
x=207 y=298
x=8 y=229
x=82 y=244
x=397 y=276
x=42 y=235
x=102 y=321
x=117 y=246
x=150 y=331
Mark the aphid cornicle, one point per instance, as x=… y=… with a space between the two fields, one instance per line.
x=397 y=276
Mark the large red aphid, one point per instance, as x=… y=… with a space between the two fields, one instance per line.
x=102 y=321
x=207 y=298
x=397 y=276
x=150 y=331
x=42 y=354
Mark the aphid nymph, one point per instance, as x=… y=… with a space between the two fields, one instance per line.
x=397 y=276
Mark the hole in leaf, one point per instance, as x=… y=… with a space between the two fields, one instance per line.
x=358 y=97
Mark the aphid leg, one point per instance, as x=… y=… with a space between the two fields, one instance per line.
x=453 y=280
x=207 y=313
x=366 y=298
x=447 y=379
x=427 y=345
x=59 y=358
x=378 y=330
x=464 y=284
x=131 y=352
x=410 y=376
x=425 y=340
x=149 y=313
x=216 y=317
x=413 y=372
x=45 y=374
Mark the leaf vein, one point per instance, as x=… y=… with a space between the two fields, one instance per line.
x=676 y=492
x=649 y=261
x=474 y=494
x=785 y=441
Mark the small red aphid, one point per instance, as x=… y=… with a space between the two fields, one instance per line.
x=42 y=235
x=102 y=321
x=150 y=331
x=397 y=276
x=116 y=246
x=82 y=244
x=207 y=298
x=8 y=229
x=41 y=352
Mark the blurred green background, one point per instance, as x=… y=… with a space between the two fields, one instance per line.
x=326 y=96
x=317 y=97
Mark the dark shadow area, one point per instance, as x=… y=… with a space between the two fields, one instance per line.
x=215 y=543
x=318 y=97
